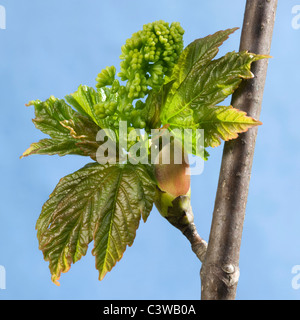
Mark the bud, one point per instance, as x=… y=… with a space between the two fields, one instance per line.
x=173 y=185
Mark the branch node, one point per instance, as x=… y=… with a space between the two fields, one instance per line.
x=228 y=274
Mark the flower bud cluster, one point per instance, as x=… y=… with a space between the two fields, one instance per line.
x=149 y=55
x=106 y=77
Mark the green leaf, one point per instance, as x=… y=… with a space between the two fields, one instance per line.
x=88 y=101
x=208 y=86
x=194 y=101
x=49 y=115
x=52 y=147
x=212 y=84
x=198 y=54
x=225 y=123
x=100 y=203
x=84 y=100
x=71 y=132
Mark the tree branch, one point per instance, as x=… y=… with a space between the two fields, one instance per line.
x=220 y=269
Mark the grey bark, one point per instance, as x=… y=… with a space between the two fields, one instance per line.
x=220 y=269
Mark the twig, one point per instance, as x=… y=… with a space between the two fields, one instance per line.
x=220 y=269
x=199 y=246
x=181 y=216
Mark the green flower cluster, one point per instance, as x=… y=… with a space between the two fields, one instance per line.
x=105 y=108
x=106 y=77
x=111 y=107
x=149 y=55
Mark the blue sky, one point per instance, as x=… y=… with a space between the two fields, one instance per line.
x=49 y=48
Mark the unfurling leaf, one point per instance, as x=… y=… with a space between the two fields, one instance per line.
x=100 y=203
x=200 y=84
x=198 y=54
x=212 y=84
x=224 y=123
x=70 y=132
x=84 y=100
x=207 y=87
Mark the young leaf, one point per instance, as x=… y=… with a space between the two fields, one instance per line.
x=49 y=115
x=71 y=132
x=100 y=203
x=195 y=99
x=54 y=146
x=208 y=86
x=94 y=104
x=198 y=54
x=84 y=100
x=225 y=123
